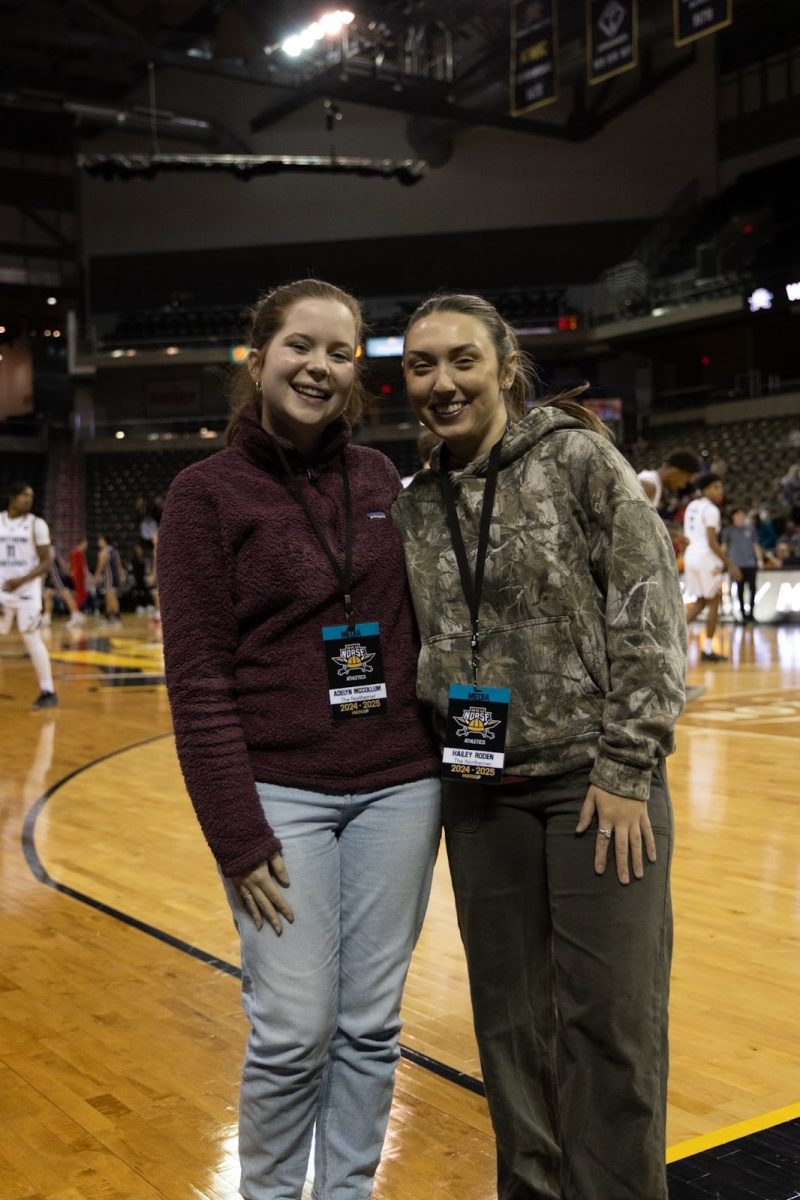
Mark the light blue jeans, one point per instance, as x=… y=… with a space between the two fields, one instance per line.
x=323 y=1000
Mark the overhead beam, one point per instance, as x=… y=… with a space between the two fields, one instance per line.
x=428 y=99
x=416 y=97
x=407 y=101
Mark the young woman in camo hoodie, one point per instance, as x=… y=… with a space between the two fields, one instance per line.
x=581 y=618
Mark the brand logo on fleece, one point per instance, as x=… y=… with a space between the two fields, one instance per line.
x=377 y=516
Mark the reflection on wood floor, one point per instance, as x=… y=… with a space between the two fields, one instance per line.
x=120 y=1051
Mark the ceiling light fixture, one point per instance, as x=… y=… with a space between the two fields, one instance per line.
x=329 y=25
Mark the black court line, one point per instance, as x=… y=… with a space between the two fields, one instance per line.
x=38 y=870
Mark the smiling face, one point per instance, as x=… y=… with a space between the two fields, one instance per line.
x=307 y=371
x=455 y=382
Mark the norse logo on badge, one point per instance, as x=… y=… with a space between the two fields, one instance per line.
x=476 y=723
x=354 y=658
x=358 y=687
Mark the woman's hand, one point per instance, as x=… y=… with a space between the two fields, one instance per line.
x=624 y=820
x=261 y=896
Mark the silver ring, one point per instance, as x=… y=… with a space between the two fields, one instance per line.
x=606 y=833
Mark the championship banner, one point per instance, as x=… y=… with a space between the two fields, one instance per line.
x=695 y=18
x=612 y=37
x=534 y=37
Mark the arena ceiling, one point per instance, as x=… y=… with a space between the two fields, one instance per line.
x=73 y=68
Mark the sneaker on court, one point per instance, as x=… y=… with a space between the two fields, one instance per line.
x=46 y=700
x=712 y=656
x=75 y=620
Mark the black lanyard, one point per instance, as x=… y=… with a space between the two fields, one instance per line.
x=344 y=574
x=472 y=588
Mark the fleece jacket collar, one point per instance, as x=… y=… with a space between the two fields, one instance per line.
x=253 y=441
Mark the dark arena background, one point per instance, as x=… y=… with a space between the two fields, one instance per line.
x=622 y=180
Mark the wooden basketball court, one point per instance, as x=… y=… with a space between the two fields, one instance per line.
x=121 y=1034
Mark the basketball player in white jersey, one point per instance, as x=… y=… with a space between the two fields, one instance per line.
x=25 y=556
x=705 y=560
x=678 y=469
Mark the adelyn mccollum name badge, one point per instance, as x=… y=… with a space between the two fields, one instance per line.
x=356 y=683
x=477 y=719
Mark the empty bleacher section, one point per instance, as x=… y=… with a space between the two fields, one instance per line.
x=175 y=326
x=224 y=326
x=711 y=248
x=519 y=306
x=114 y=481
x=740 y=228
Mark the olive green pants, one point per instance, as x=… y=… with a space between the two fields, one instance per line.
x=569 y=977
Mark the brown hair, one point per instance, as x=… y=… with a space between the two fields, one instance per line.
x=267 y=317
x=506 y=344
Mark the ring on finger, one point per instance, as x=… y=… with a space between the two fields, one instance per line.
x=606 y=833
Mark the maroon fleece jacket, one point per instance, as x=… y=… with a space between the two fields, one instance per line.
x=245 y=589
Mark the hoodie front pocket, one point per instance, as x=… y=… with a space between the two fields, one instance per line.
x=553 y=697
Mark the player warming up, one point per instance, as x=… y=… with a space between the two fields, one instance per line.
x=705 y=560
x=25 y=555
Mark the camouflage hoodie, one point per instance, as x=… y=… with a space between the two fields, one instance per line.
x=581 y=613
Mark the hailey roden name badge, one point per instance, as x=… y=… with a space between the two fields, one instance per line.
x=477 y=719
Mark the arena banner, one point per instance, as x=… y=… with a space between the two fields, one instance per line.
x=612 y=37
x=695 y=18
x=534 y=39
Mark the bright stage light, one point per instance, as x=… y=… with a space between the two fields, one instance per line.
x=329 y=25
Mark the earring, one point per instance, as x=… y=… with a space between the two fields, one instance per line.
x=258 y=385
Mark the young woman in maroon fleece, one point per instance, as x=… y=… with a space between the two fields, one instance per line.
x=324 y=821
